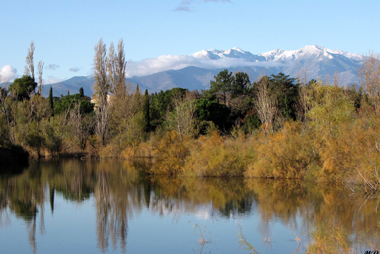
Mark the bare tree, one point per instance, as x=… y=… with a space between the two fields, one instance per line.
x=40 y=70
x=305 y=92
x=265 y=103
x=111 y=67
x=120 y=68
x=369 y=76
x=327 y=79
x=80 y=126
x=29 y=68
x=116 y=66
x=336 y=80
x=101 y=87
x=183 y=117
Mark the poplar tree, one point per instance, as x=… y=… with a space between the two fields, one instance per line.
x=101 y=85
x=29 y=68
x=102 y=88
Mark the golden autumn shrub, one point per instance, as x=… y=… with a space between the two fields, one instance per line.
x=353 y=154
x=284 y=154
x=213 y=155
x=170 y=153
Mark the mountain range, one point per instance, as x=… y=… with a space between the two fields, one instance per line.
x=195 y=71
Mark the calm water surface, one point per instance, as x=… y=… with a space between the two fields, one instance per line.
x=70 y=206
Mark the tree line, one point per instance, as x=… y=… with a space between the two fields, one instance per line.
x=276 y=113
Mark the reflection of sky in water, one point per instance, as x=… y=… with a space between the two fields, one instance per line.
x=72 y=229
x=269 y=220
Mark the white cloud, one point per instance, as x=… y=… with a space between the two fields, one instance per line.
x=172 y=62
x=52 y=80
x=8 y=73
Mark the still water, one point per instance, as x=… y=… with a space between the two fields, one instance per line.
x=71 y=206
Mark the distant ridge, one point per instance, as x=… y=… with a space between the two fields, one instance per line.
x=196 y=70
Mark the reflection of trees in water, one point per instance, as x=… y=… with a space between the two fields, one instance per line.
x=173 y=195
x=116 y=199
x=24 y=195
x=285 y=200
x=120 y=192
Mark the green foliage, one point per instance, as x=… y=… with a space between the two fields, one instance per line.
x=212 y=111
x=241 y=84
x=161 y=104
x=53 y=142
x=286 y=90
x=146 y=109
x=69 y=101
x=251 y=123
x=23 y=87
x=35 y=139
x=223 y=84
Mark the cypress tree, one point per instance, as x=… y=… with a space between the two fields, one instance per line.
x=137 y=89
x=51 y=102
x=146 y=107
x=81 y=93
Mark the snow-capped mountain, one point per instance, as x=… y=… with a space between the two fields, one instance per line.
x=196 y=70
x=315 y=52
x=238 y=53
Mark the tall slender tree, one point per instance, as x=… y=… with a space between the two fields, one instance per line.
x=116 y=65
x=101 y=85
x=40 y=69
x=102 y=88
x=146 y=108
x=29 y=68
x=51 y=102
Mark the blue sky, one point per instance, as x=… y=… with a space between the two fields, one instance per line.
x=65 y=32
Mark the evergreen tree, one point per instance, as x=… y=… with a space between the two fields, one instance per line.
x=146 y=107
x=240 y=85
x=81 y=92
x=23 y=87
x=51 y=103
x=222 y=84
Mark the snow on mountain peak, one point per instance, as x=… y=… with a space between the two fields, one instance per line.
x=316 y=52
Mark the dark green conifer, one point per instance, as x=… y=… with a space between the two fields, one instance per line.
x=51 y=102
x=146 y=107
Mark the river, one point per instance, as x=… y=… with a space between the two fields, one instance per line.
x=73 y=206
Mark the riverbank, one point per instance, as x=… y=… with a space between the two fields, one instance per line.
x=12 y=156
